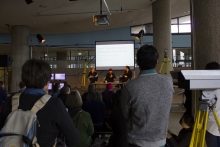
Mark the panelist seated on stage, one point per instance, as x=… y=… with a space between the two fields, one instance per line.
x=110 y=76
x=127 y=75
x=92 y=76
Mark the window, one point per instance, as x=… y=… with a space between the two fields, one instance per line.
x=178 y=25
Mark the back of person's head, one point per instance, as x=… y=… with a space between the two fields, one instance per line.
x=56 y=87
x=212 y=66
x=188 y=120
x=91 y=88
x=69 y=87
x=36 y=73
x=1 y=85
x=65 y=90
x=74 y=100
x=147 y=57
x=109 y=87
x=98 y=96
x=21 y=85
x=116 y=100
x=90 y=96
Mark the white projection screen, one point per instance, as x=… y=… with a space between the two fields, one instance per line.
x=114 y=54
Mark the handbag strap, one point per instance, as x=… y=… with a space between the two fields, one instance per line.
x=77 y=119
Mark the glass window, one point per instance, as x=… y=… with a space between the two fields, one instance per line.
x=174 y=28
x=174 y=21
x=185 y=19
x=185 y=28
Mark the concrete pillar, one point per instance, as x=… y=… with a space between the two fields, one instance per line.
x=162 y=28
x=206 y=32
x=20 y=53
x=62 y=56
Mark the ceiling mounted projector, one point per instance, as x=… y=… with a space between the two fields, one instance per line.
x=101 y=20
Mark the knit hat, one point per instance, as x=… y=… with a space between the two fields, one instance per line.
x=110 y=69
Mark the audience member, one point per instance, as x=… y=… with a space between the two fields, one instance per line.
x=184 y=137
x=98 y=96
x=212 y=133
x=56 y=90
x=81 y=119
x=36 y=75
x=110 y=76
x=91 y=89
x=146 y=102
x=92 y=76
x=3 y=95
x=118 y=124
x=96 y=109
x=22 y=87
x=64 y=93
x=107 y=97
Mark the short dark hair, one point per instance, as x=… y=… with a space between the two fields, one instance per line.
x=56 y=87
x=188 y=120
x=147 y=57
x=35 y=73
x=21 y=85
x=65 y=89
x=74 y=100
x=212 y=66
x=128 y=67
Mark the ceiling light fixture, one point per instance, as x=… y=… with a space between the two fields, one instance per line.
x=40 y=38
x=29 y=1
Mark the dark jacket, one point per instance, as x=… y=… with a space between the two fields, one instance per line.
x=53 y=118
x=128 y=74
x=108 y=78
x=63 y=98
x=107 y=98
x=183 y=139
x=94 y=77
x=96 y=109
x=118 y=125
x=3 y=96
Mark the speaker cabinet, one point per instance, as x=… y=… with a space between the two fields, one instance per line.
x=5 y=61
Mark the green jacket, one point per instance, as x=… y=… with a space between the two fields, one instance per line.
x=83 y=123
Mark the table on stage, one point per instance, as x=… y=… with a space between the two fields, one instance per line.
x=104 y=84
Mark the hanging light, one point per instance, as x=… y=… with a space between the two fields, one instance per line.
x=29 y=1
x=40 y=38
x=139 y=35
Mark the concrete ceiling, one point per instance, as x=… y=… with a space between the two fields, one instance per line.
x=64 y=16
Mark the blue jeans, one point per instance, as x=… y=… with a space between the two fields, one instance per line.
x=211 y=140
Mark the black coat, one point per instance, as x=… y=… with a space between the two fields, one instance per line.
x=94 y=77
x=108 y=78
x=119 y=126
x=183 y=139
x=128 y=74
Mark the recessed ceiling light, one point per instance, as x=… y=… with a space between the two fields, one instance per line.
x=79 y=53
x=42 y=6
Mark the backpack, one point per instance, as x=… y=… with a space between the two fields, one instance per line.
x=20 y=128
